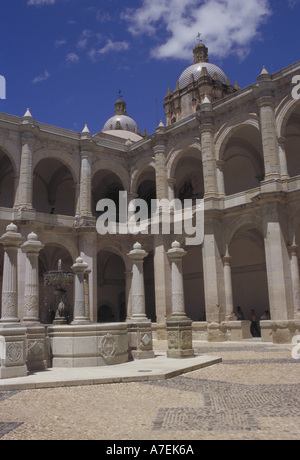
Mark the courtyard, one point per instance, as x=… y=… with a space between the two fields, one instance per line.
x=253 y=394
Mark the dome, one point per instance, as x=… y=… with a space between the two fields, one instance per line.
x=123 y=122
x=200 y=61
x=196 y=69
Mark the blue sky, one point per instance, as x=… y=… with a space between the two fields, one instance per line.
x=67 y=59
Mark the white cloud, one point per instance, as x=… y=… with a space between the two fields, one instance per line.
x=41 y=77
x=110 y=46
x=84 y=37
x=226 y=25
x=72 y=58
x=40 y=2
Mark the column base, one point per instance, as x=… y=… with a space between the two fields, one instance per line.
x=140 y=339
x=279 y=331
x=36 y=348
x=180 y=337
x=12 y=356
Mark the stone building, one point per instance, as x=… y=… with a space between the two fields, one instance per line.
x=238 y=149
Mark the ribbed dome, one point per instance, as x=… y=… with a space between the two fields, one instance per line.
x=121 y=120
x=200 y=61
x=196 y=69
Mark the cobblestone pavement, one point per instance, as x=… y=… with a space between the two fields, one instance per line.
x=253 y=394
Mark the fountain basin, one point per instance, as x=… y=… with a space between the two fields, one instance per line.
x=89 y=345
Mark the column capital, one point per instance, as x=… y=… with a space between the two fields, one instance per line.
x=11 y=237
x=176 y=252
x=32 y=245
x=293 y=249
x=80 y=266
x=227 y=260
x=137 y=254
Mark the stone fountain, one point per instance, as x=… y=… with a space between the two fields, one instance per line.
x=60 y=280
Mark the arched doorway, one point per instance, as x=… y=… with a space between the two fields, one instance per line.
x=54 y=257
x=193 y=282
x=7 y=182
x=244 y=164
x=188 y=175
x=292 y=136
x=111 y=305
x=53 y=188
x=248 y=269
x=106 y=184
x=149 y=287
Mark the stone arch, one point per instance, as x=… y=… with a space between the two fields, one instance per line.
x=140 y=168
x=240 y=149
x=7 y=181
x=185 y=171
x=193 y=281
x=114 y=167
x=111 y=285
x=288 y=125
x=13 y=153
x=248 y=270
x=54 y=189
x=49 y=258
x=63 y=157
x=180 y=150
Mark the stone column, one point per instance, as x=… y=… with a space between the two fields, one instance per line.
x=32 y=248
x=282 y=158
x=11 y=241
x=137 y=256
x=139 y=326
x=86 y=184
x=179 y=327
x=79 y=269
x=293 y=250
x=220 y=177
x=208 y=150
x=24 y=196
x=228 y=289
x=160 y=164
x=266 y=107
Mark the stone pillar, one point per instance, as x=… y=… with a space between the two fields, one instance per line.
x=139 y=326
x=266 y=107
x=137 y=256
x=87 y=245
x=24 y=196
x=79 y=269
x=32 y=248
x=86 y=184
x=208 y=150
x=171 y=186
x=282 y=158
x=179 y=327
x=293 y=250
x=220 y=177
x=11 y=241
x=160 y=164
x=228 y=289
x=213 y=273
x=162 y=280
